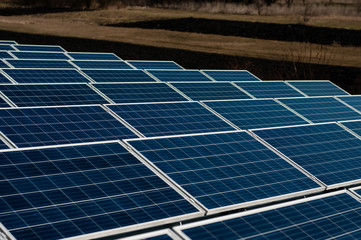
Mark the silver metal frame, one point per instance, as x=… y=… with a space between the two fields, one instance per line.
x=149 y=71
x=153 y=61
x=136 y=70
x=291 y=81
x=98 y=61
x=6 y=234
x=95 y=53
x=167 y=232
x=36 y=45
x=8 y=42
x=10 y=45
x=225 y=70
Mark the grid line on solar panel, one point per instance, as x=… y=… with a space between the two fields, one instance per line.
x=139 y=92
x=44 y=126
x=4 y=78
x=318 y=88
x=179 y=75
x=38 y=48
x=224 y=171
x=66 y=191
x=199 y=91
x=328 y=216
x=5 y=55
x=4 y=144
x=353 y=101
x=40 y=55
x=36 y=63
x=6 y=47
x=231 y=75
x=144 y=64
x=321 y=109
x=101 y=64
x=325 y=150
x=161 y=119
x=114 y=75
x=4 y=64
x=247 y=114
x=93 y=56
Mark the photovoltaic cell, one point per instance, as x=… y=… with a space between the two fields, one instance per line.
x=111 y=75
x=46 y=75
x=61 y=192
x=139 y=92
x=40 y=63
x=323 y=109
x=231 y=75
x=4 y=54
x=40 y=55
x=6 y=47
x=93 y=56
x=269 y=89
x=210 y=91
x=179 y=75
x=327 y=151
x=249 y=114
x=27 y=95
x=102 y=64
x=28 y=127
x=225 y=169
x=170 y=118
x=38 y=48
x=318 y=88
x=330 y=217
x=154 y=64
x=353 y=101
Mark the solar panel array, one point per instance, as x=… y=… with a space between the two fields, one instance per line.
x=93 y=146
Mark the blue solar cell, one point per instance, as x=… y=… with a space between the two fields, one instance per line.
x=330 y=217
x=247 y=114
x=170 y=118
x=27 y=95
x=211 y=91
x=46 y=75
x=81 y=190
x=39 y=48
x=225 y=169
x=231 y=75
x=41 y=55
x=4 y=54
x=139 y=92
x=269 y=89
x=102 y=64
x=118 y=75
x=327 y=151
x=3 y=65
x=323 y=109
x=318 y=88
x=154 y=64
x=353 y=101
x=6 y=47
x=93 y=56
x=40 y=63
x=179 y=75
x=28 y=127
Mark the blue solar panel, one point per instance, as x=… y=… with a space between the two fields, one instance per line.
x=102 y=64
x=170 y=118
x=2 y=144
x=327 y=151
x=3 y=79
x=118 y=75
x=93 y=56
x=27 y=95
x=41 y=55
x=46 y=75
x=225 y=169
x=353 y=101
x=7 y=42
x=211 y=91
x=179 y=75
x=139 y=92
x=231 y=75
x=139 y=64
x=354 y=125
x=248 y=114
x=331 y=217
x=3 y=65
x=318 y=88
x=6 y=47
x=61 y=192
x=40 y=63
x=3 y=103
x=39 y=48
x=28 y=127
x=269 y=89
x=323 y=109
x=4 y=54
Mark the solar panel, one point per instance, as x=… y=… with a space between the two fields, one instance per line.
x=4 y=54
x=327 y=151
x=224 y=171
x=318 y=88
x=29 y=127
x=3 y=64
x=354 y=125
x=41 y=55
x=3 y=103
x=142 y=64
x=321 y=109
x=27 y=95
x=166 y=234
x=7 y=42
x=354 y=101
x=248 y=114
x=112 y=75
x=38 y=48
x=210 y=91
x=161 y=119
x=89 y=190
x=329 y=216
x=102 y=64
x=231 y=75
x=6 y=47
x=179 y=75
x=46 y=75
x=139 y=92
x=274 y=89
x=93 y=56
x=4 y=79
x=40 y=63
